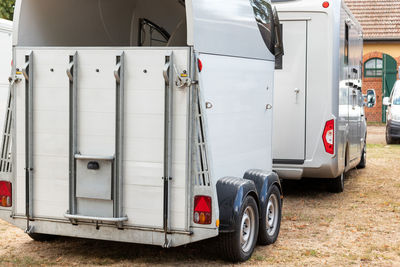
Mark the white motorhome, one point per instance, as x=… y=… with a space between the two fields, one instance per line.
x=5 y=67
x=319 y=123
x=144 y=121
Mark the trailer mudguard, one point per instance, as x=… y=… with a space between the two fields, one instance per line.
x=231 y=194
x=263 y=182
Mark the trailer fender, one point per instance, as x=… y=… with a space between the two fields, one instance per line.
x=263 y=182
x=231 y=194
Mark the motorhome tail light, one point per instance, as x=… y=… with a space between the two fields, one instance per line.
x=329 y=137
x=202 y=210
x=325 y=4
x=5 y=194
x=200 y=65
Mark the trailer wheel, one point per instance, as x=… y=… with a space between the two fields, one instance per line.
x=42 y=237
x=270 y=219
x=337 y=184
x=363 y=162
x=238 y=246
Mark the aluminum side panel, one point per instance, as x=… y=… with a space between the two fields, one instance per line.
x=238 y=92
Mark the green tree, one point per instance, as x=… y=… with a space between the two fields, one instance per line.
x=7 y=9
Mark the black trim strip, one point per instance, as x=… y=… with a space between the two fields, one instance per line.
x=289 y=161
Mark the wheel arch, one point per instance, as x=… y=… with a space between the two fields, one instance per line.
x=232 y=192
x=263 y=182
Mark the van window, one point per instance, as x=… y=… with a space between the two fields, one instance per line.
x=265 y=20
x=396 y=97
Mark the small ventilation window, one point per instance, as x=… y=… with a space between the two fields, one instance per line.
x=373 y=68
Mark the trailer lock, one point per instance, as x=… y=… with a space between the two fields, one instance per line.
x=5 y=194
x=202 y=210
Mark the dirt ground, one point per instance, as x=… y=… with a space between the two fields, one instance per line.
x=360 y=227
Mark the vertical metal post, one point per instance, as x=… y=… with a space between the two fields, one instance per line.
x=28 y=74
x=119 y=136
x=72 y=73
x=169 y=85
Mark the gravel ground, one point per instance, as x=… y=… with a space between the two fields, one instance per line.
x=359 y=227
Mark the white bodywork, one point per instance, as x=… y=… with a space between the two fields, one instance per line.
x=233 y=91
x=5 y=66
x=315 y=86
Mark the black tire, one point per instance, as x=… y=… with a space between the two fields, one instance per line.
x=42 y=237
x=337 y=184
x=230 y=243
x=363 y=162
x=270 y=224
x=389 y=139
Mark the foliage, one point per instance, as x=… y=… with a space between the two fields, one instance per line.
x=7 y=9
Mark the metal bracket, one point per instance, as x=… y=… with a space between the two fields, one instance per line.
x=29 y=229
x=167 y=243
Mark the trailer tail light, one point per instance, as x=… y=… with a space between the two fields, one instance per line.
x=5 y=194
x=329 y=137
x=200 y=65
x=325 y=4
x=202 y=210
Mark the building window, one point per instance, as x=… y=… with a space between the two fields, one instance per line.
x=373 y=68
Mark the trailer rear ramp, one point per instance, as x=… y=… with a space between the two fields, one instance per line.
x=78 y=122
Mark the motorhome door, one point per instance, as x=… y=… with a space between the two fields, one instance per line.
x=290 y=96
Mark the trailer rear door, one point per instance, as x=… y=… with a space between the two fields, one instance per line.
x=290 y=96
x=98 y=155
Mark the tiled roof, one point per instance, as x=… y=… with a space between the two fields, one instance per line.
x=380 y=18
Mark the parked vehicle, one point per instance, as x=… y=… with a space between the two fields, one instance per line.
x=149 y=124
x=393 y=115
x=319 y=123
x=5 y=66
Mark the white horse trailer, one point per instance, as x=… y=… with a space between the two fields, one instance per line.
x=5 y=67
x=319 y=123
x=144 y=121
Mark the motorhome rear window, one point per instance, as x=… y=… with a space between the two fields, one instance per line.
x=102 y=23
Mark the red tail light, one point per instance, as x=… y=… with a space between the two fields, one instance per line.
x=200 y=65
x=325 y=4
x=329 y=137
x=5 y=194
x=202 y=210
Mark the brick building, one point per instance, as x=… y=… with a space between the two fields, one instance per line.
x=381 y=24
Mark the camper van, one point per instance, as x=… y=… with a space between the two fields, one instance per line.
x=144 y=121
x=319 y=122
x=5 y=67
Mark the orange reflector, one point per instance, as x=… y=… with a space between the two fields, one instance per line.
x=217 y=223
